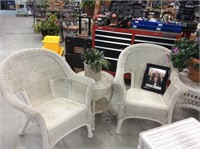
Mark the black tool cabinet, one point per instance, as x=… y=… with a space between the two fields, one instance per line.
x=113 y=40
x=75 y=46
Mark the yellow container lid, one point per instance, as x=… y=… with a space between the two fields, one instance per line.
x=51 y=39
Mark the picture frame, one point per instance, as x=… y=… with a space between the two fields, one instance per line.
x=155 y=78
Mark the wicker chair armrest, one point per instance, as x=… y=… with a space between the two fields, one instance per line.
x=175 y=89
x=81 y=86
x=181 y=88
x=119 y=87
x=26 y=109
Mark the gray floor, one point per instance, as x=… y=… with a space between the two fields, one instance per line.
x=16 y=33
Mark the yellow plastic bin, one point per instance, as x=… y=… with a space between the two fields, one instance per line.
x=52 y=43
x=60 y=52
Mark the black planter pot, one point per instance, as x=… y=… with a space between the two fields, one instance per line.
x=48 y=32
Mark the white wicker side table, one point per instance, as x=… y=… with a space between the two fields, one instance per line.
x=184 y=134
x=191 y=99
x=102 y=92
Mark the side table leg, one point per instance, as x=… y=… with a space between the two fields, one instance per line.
x=93 y=114
x=110 y=109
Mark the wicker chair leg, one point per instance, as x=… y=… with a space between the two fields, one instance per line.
x=22 y=130
x=119 y=124
x=199 y=115
x=89 y=129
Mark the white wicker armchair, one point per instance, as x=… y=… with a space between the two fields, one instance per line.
x=139 y=103
x=33 y=74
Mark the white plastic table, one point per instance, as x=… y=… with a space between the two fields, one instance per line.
x=184 y=134
x=102 y=92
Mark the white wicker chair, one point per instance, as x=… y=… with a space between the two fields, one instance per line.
x=33 y=73
x=139 y=103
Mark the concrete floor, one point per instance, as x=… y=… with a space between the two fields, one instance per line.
x=16 y=33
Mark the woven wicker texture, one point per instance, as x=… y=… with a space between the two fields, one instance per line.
x=136 y=102
x=184 y=134
x=191 y=99
x=30 y=73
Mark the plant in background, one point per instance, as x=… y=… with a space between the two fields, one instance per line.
x=89 y=4
x=44 y=4
x=183 y=51
x=95 y=59
x=49 y=26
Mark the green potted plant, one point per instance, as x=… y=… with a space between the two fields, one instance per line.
x=185 y=54
x=48 y=27
x=94 y=61
x=88 y=6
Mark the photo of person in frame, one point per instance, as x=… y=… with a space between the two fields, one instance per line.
x=155 y=78
x=161 y=79
x=150 y=78
x=156 y=83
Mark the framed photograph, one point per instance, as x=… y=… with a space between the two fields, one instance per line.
x=155 y=78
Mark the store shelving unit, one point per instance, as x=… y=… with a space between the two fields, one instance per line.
x=7 y=5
